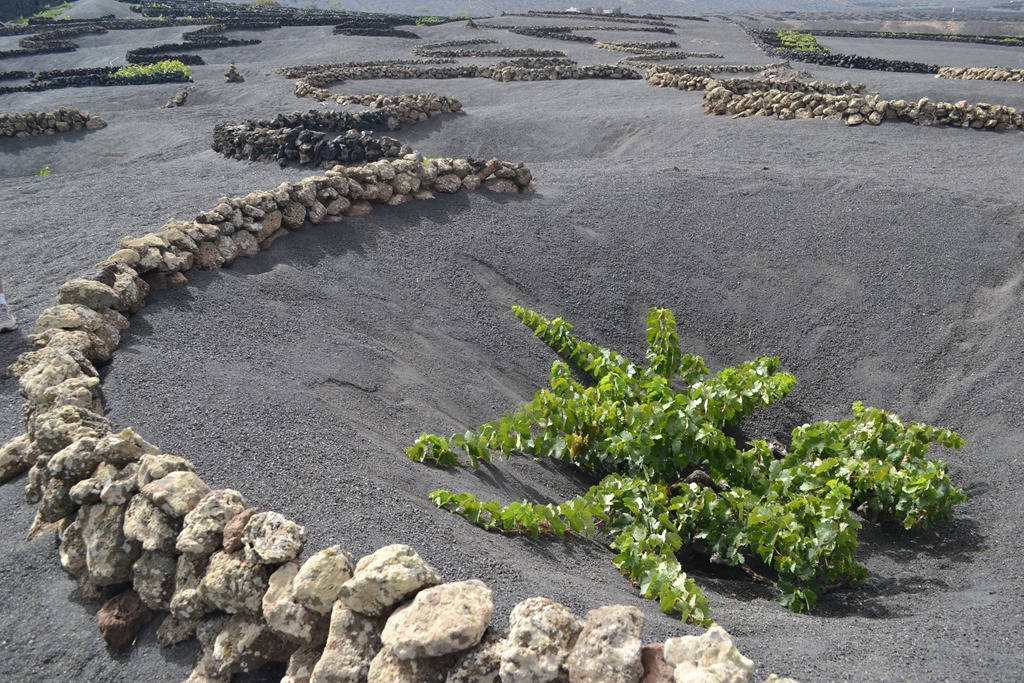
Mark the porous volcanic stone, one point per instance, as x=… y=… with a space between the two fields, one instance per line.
x=441 y=620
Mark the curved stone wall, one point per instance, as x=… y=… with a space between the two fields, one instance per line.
x=234 y=576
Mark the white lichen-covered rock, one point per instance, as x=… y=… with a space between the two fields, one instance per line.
x=16 y=456
x=72 y=547
x=609 y=646
x=352 y=642
x=234 y=584
x=270 y=538
x=204 y=525
x=177 y=493
x=441 y=620
x=124 y=448
x=482 y=664
x=90 y=293
x=153 y=579
x=109 y=556
x=541 y=633
x=153 y=528
x=321 y=577
x=387 y=668
x=286 y=616
x=711 y=657
x=386 y=578
x=75 y=462
x=187 y=603
x=153 y=466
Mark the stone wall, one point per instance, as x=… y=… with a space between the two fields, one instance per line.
x=81 y=78
x=769 y=41
x=312 y=82
x=855 y=109
x=980 y=73
x=308 y=137
x=141 y=525
x=788 y=99
x=61 y=120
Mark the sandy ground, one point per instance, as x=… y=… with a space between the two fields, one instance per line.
x=882 y=264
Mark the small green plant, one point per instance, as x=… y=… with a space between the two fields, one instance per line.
x=429 y=21
x=674 y=480
x=168 y=66
x=804 y=42
x=44 y=172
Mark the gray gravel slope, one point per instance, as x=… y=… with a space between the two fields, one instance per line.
x=883 y=264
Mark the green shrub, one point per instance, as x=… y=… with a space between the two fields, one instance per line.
x=674 y=480
x=429 y=21
x=44 y=172
x=167 y=66
x=805 y=42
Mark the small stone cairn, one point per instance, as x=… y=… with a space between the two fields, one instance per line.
x=233 y=75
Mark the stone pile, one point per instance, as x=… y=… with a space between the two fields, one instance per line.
x=61 y=120
x=980 y=73
x=859 y=108
x=233 y=75
x=179 y=98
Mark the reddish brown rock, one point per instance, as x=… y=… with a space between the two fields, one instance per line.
x=121 y=618
x=234 y=528
x=656 y=669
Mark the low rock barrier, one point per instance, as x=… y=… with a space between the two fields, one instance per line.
x=769 y=41
x=140 y=525
x=502 y=52
x=60 y=120
x=312 y=82
x=859 y=108
x=980 y=73
x=83 y=78
x=1005 y=41
x=424 y=48
x=794 y=99
x=201 y=39
x=51 y=41
x=307 y=137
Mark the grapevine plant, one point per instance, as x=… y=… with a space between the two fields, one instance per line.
x=673 y=480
